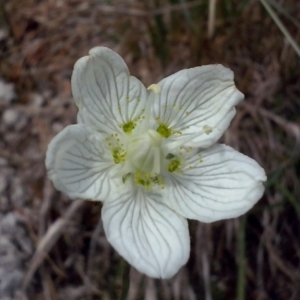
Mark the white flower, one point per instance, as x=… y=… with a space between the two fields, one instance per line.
x=150 y=156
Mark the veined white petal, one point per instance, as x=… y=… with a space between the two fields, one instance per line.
x=219 y=183
x=105 y=93
x=197 y=104
x=149 y=235
x=79 y=164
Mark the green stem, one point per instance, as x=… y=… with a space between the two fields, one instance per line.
x=125 y=280
x=241 y=260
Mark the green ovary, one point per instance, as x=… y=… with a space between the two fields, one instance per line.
x=164 y=131
x=144 y=153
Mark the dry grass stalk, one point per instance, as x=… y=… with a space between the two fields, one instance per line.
x=211 y=18
x=49 y=240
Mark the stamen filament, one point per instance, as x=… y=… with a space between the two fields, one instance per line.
x=152 y=90
x=156 y=162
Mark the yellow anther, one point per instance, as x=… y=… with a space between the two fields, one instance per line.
x=164 y=131
x=154 y=88
x=147 y=180
x=143 y=179
x=118 y=155
x=128 y=127
x=207 y=129
x=173 y=166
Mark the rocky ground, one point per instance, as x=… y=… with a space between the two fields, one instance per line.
x=52 y=248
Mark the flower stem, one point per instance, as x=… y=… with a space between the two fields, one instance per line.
x=125 y=280
x=241 y=260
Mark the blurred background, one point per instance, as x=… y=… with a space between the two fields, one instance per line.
x=52 y=248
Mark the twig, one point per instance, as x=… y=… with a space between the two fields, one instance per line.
x=290 y=127
x=143 y=13
x=284 y=12
x=49 y=240
x=286 y=269
x=47 y=196
x=211 y=18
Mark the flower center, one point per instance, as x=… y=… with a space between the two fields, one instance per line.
x=144 y=152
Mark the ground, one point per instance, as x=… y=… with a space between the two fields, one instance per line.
x=53 y=248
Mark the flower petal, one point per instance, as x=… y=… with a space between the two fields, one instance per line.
x=197 y=104
x=105 y=93
x=219 y=183
x=150 y=236
x=79 y=164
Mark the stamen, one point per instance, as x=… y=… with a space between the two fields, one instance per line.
x=156 y=162
x=174 y=166
x=164 y=131
x=147 y=180
x=128 y=127
x=153 y=89
x=143 y=179
x=207 y=129
x=117 y=148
